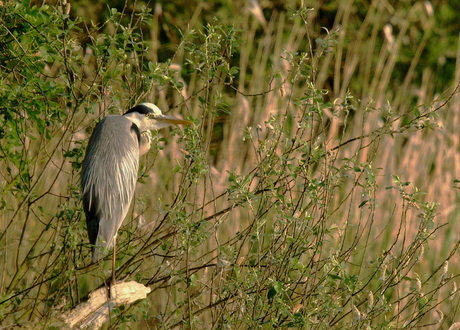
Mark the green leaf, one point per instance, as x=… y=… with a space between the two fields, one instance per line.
x=334 y=276
x=271 y=293
x=363 y=203
x=177 y=168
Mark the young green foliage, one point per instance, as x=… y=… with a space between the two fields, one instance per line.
x=292 y=200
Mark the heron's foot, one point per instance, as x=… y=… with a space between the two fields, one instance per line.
x=111 y=288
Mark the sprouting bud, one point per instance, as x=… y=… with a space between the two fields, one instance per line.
x=445 y=268
x=422 y=249
x=357 y=316
x=370 y=301
x=418 y=284
x=453 y=291
x=440 y=315
x=455 y=326
x=383 y=275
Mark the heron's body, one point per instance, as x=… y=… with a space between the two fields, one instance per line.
x=109 y=171
x=108 y=196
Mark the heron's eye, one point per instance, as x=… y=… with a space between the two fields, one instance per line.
x=148 y=115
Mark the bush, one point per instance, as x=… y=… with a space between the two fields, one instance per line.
x=285 y=205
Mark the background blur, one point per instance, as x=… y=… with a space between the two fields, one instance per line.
x=318 y=187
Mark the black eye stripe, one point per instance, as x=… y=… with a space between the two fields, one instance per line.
x=142 y=109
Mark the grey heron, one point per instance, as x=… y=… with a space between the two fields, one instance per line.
x=109 y=171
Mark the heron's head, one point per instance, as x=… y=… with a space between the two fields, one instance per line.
x=147 y=116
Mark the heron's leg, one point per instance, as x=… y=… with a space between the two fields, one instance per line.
x=113 y=279
x=113 y=263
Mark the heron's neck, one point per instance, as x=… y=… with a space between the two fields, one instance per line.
x=136 y=118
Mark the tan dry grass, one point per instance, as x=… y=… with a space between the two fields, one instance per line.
x=430 y=159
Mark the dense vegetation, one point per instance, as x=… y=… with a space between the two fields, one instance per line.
x=318 y=186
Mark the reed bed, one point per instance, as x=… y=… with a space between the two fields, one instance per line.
x=315 y=188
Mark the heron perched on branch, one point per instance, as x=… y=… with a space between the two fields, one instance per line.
x=109 y=172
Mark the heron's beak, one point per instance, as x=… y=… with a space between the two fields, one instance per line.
x=171 y=120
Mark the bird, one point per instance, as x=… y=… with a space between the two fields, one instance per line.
x=109 y=171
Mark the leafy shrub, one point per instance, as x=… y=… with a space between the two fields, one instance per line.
x=278 y=208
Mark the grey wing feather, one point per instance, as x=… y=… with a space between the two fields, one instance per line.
x=108 y=179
